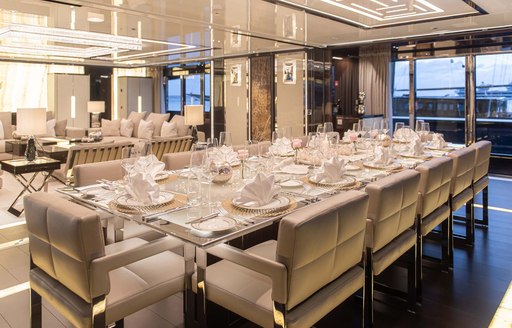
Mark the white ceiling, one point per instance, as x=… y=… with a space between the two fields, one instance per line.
x=191 y=30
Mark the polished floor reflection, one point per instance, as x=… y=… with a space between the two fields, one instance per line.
x=467 y=297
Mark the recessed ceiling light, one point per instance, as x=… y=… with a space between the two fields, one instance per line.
x=337 y=58
x=95 y=17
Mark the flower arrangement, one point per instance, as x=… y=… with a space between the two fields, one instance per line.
x=243 y=154
x=296 y=145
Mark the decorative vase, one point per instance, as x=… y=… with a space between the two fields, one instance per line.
x=225 y=172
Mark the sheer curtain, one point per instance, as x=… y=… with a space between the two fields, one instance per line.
x=374 y=77
x=158 y=90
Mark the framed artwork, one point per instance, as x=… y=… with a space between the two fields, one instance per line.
x=289 y=72
x=235 y=75
x=290 y=26
x=236 y=38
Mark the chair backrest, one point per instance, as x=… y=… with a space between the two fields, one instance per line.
x=482 y=158
x=392 y=207
x=177 y=161
x=64 y=238
x=87 y=174
x=321 y=242
x=463 y=168
x=84 y=154
x=163 y=146
x=434 y=190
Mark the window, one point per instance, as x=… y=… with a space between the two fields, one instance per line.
x=174 y=95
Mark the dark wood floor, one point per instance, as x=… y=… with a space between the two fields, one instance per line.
x=467 y=297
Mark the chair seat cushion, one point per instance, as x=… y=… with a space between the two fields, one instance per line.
x=480 y=184
x=392 y=251
x=462 y=198
x=434 y=219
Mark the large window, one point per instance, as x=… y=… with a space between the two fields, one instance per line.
x=187 y=86
x=494 y=101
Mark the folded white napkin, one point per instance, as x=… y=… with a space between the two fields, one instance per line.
x=285 y=162
x=141 y=185
x=383 y=156
x=417 y=147
x=331 y=171
x=282 y=146
x=259 y=191
x=224 y=154
x=438 y=141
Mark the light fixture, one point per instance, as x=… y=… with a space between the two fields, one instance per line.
x=95 y=17
x=95 y=108
x=139 y=104
x=31 y=122
x=194 y=116
x=337 y=58
x=29 y=39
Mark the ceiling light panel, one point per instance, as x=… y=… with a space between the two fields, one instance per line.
x=380 y=13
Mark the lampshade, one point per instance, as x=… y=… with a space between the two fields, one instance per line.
x=194 y=115
x=31 y=121
x=95 y=106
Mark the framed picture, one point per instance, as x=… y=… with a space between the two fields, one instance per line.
x=235 y=75
x=290 y=26
x=289 y=72
x=236 y=37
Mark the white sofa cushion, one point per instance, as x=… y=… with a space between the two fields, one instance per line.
x=158 y=120
x=169 y=129
x=110 y=128
x=2 y=135
x=5 y=117
x=50 y=127
x=126 y=128
x=182 y=128
x=146 y=129
x=60 y=127
x=135 y=117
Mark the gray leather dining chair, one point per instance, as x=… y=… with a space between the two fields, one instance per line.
x=433 y=209
x=461 y=192
x=391 y=231
x=294 y=281
x=481 y=177
x=91 y=284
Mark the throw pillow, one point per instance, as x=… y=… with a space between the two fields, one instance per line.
x=110 y=128
x=169 y=129
x=6 y=118
x=60 y=128
x=50 y=127
x=2 y=135
x=126 y=128
x=146 y=129
x=182 y=128
x=158 y=120
x=135 y=117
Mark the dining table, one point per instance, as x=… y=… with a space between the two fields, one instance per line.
x=219 y=218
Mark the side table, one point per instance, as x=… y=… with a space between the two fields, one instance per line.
x=18 y=167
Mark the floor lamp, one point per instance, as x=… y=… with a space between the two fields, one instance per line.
x=194 y=116
x=31 y=122
x=95 y=108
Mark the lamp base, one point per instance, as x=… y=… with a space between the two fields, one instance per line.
x=194 y=134
x=30 y=153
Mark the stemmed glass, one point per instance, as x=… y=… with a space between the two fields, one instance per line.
x=212 y=142
x=384 y=127
x=328 y=127
x=419 y=126
x=225 y=139
x=276 y=135
x=398 y=126
x=128 y=158
x=253 y=161
x=210 y=167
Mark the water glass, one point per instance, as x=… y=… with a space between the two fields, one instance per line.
x=328 y=127
x=356 y=127
x=212 y=142
x=225 y=139
x=425 y=127
x=286 y=132
x=419 y=126
x=398 y=126
x=276 y=135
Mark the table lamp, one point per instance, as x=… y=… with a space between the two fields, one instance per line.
x=95 y=108
x=31 y=122
x=194 y=116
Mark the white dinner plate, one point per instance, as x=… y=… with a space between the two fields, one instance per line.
x=216 y=224
x=352 y=167
x=295 y=169
x=387 y=167
x=344 y=181
x=291 y=184
x=161 y=176
x=164 y=197
x=277 y=202
x=422 y=156
x=95 y=191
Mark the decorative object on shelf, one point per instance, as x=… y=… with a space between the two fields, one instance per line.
x=194 y=116
x=289 y=72
x=95 y=108
x=225 y=172
x=31 y=122
x=360 y=107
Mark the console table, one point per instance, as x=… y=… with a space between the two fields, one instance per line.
x=18 y=167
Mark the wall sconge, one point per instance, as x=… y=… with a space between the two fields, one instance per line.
x=194 y=116
x=95 y=108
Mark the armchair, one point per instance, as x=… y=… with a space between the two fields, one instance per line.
x=90 y=284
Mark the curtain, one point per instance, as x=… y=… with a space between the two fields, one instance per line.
x=374 y=78
x=158 y=88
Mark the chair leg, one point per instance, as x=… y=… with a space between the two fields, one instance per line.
x=411 y=278
x=279 y=315
x=485 y=209
x=450 y=239
x=368 y=289
x=120 y=323
x=470 y=223
x=445 y=249
x=35 y=310
x=419 y=262
x=98 y=312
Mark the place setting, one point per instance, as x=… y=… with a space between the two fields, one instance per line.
x=332 y=175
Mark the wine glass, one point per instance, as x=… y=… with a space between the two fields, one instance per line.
x=312 y=138
x=398 y=126
x=384 y=126
x=425 y=127
x=129 y=156
x=356 y=127
x=328 y=127
x=212 y=142
x=197 y=158
x=225 y=139
x=276 y=135
x=252 y=162
x=286 y=132
x=419 y=127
